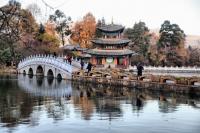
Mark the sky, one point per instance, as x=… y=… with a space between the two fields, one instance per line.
x=185 y=13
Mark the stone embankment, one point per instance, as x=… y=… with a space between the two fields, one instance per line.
x=117 y=77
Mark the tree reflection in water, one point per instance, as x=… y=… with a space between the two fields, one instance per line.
x=23 y=100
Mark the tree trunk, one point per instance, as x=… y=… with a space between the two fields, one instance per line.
x=63 y=41
x=12 y=51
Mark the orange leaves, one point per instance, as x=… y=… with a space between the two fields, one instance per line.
x=84 y=30
x=50 y=28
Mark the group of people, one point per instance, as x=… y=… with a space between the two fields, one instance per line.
x=89 y=66
x=68 y=59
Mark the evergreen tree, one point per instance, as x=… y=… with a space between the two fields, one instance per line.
x=170 y=35
x=140 y=37
x=98 y=34
x=171 y=44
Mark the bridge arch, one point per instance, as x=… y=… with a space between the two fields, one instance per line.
x=169 y=80
x=39 y=71
x=50 y=73
x=41 y=64
x=24 y=72
x=30 y=71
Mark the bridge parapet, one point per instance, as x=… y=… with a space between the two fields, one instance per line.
x=57 y=62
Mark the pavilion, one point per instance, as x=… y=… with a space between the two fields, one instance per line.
x=111 y=50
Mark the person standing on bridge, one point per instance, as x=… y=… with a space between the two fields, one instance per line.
x=69 y=59
x=54 y=54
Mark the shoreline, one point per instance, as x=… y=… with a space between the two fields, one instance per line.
x=149 y=86
x=8 y=70
x=124 y=79
x=128 y=79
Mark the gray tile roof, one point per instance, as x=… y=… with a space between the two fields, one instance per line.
x=110 y=52
x=111 y=41
x=74 y=47
x=111 y=28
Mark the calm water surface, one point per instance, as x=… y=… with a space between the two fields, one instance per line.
x=38 y=105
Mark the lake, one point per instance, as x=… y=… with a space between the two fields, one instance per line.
x=38 y=105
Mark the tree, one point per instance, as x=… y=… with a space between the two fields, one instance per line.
x=15 y=25
x=194 y=58
x=41 y=29
x=11 y=24
x=42 y=42
x=140 y=38
x=34 y=9
x=50 y=28
x=62 y=24
x=171 y=44
x=170 y=35
x=48 y=42
x=84 y=31
x=5 y=56
x=98 y=33
x=28 y=22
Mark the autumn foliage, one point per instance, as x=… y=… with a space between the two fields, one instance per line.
x=84 y=31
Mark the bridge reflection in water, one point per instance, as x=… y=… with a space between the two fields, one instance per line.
x=40 y=104
x=40 y=86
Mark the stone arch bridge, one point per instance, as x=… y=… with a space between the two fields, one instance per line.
x=48 y=66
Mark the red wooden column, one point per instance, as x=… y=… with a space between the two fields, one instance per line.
x=103 y=61
x=94 y=60
x=115 y=60
x=127 y=58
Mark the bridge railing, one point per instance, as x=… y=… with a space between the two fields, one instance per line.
x=56 y=61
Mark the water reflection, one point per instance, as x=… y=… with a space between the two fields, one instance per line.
x=40 y=86
x=32 y=101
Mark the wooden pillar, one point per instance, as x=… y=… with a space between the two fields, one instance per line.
x=94 y=61
x=127 y=61
x=115 y=60
x=124 y=61
x=103 y=60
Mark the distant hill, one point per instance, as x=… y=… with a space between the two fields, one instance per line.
x=191 y=40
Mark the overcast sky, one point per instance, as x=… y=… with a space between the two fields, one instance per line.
x=185 y=13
